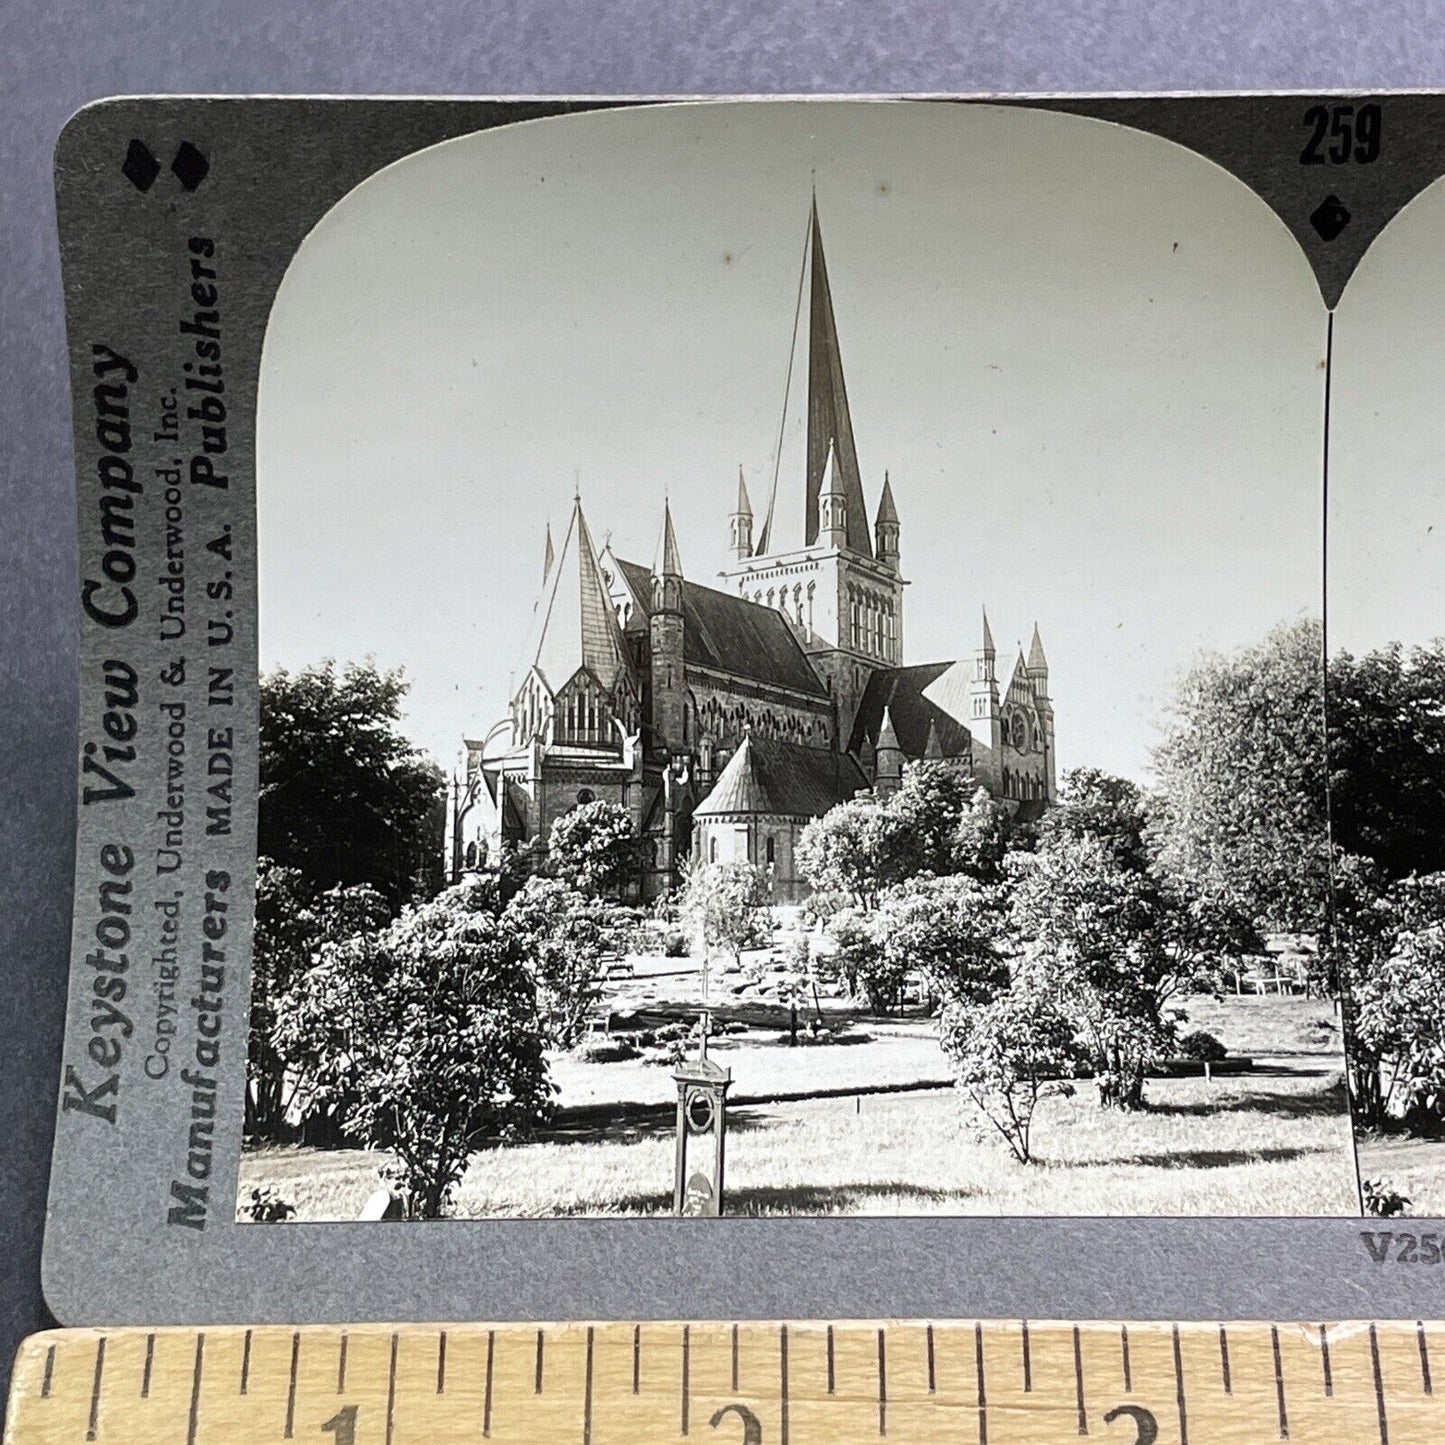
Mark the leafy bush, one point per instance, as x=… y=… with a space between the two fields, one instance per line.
x=1380 y=1202
x=267 y=1206
x=676 y=944
x=1202 y=1046
x=594 y=848
x=606 y=1050
x=1010 y=1053
x=428 y=1036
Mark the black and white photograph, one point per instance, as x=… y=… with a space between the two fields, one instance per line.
x=793 y=683
x=1386 y=692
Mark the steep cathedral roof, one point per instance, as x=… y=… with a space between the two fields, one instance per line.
x=729 y=634
x=904 y=694
x=574 y=625
x=782 y=780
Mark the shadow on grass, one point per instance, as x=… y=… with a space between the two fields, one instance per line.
x=632 y=1123
x=800 y=1199
x=1327 y=1102
x=1192 y=1159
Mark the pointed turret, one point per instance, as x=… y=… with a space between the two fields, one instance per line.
x=741 y=522
x=888 y=759
x=667 y=571
x=1037 y=661
x=988 y=646
x=832 y=506
x=985 y=709
x=933 y=748
x=885 y=527
x=668 y=711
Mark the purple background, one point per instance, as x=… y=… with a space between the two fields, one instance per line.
x=57 y=54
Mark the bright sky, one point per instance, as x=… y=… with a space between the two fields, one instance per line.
x=1090 y=360
x=1387 y=450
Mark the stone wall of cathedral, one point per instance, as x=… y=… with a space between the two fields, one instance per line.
x=724 y=710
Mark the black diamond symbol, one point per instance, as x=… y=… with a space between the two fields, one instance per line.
x=140 y=168
x=1330 y=217
x=190 y=166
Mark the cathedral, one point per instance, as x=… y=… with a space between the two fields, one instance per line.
x=723 y=719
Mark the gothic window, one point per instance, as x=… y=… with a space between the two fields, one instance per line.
x=772 y=849
x=585 y=795
x=712 y=850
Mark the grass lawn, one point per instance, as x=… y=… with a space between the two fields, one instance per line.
x=1271 y=1143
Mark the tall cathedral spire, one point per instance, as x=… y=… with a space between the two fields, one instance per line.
x=830 y=426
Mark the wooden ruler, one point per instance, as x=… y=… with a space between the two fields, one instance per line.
x=952 y=1382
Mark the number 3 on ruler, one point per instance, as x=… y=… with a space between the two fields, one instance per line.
x=343 y=1425
x=1354 y=135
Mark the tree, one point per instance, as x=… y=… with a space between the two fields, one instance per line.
x=847 y=850
x=344 y=797
x=594 y=847
x=1242 y=780
x=1387 y=757
x=428 y=1036
x=940 y=822
x=948 y=929
x=944 y=823
x=1391 y=940
x=1095 y=804
x=291 y=924
x=1112 y=940
x=1010 y=1053
x=564 y=934
x=726 y=903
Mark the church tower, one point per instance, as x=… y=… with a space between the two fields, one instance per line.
x=668 y=703
x=985 y=720
x=1038 y=671
x=844 y=599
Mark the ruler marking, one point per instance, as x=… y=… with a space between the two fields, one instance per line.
x=442 y=1363
x=636 y=1358
x=1279 y=1383
x=1028 y=1360
x=1124 y=1353
x=341 y=1366
x=1425 y=1382
x=1325 y=1370
x=882 y=1384
x=982 y=1392
x=686 y=1373
x=246 y=1364
x=1379 y=1387
x=537 y=1379
x=145 y=1379
x=1224 y=1360
x=94 y=1419
x=391 y=1389
x=932 y=1372
x=1079 y=1383
x=49 y=1373
x=1179 y=1390
x=783 y=1383
x=194 y=1418
x=735 y=1359
x=291 y=1387
x=487 y=1397
x=587 y=1394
